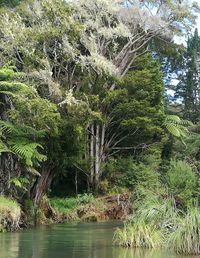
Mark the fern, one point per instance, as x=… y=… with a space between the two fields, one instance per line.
x=20 y=130
x=17 y=139
x=177 y=127
x=20 y=182
x=32 y=171
x=4 y=148
x=27 y=151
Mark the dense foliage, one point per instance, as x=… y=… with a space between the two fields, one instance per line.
x=83 y=110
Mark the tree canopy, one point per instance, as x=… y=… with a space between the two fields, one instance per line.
x=82 y=83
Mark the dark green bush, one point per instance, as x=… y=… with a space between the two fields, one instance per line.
x=182 y=181
x=126 y=172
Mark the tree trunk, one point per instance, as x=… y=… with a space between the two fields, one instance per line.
x=42 y=184
x=97 y=153
x=40 y=188
x=9 y=168
x=97 y=165
x=92 y=154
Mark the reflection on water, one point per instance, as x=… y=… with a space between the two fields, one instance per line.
x=88 y=240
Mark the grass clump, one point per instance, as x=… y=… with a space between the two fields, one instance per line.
x=157 y=222
x=140 y=234
x=165 y=215
x=149 y=224
x=64 y=205
x=186 y=237
x=10 y=213
x=68 y=207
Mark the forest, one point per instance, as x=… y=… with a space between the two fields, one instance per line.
x=100 y=117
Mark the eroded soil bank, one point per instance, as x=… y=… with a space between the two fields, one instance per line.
x=104 y=208
x=116 y=207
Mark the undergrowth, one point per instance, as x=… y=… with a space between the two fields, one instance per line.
x=68 y=207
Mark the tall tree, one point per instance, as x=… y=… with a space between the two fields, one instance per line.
x=115 y=35
x=189 y=85
x=85 y=47
x=26 y=119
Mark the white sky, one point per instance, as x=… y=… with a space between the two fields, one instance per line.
x=182 y=39
x=198 y=23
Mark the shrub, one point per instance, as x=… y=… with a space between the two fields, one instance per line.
x=125 y=172
x=181 y=180
x=117 y=190
x=104 y=186
x=85 y=198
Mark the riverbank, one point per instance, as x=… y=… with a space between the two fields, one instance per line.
x=88 y=208
x=83 y=208
x=85 y=240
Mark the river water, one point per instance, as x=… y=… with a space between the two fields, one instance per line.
x=83 y=240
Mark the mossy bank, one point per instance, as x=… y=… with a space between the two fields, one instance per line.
x=10 y=214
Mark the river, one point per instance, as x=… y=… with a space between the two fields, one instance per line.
x=83 y=240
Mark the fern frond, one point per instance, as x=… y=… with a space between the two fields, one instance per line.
x=27 y=151
x=20 y=182
x=173 y=118
x=177 y=127
x=20 y=130
x=33 y=171
x=173 y=130
x=19 y=139
x=177 y=120
x=4 y=148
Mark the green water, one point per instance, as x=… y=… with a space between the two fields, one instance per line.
x=88 y=240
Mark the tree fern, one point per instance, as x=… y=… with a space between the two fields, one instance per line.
x=3 y=147
x=25 y=106
x=18 y=139
x=28 y=151
x=177 y=127
x=20 y=130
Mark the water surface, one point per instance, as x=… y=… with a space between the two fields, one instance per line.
x=84 y=240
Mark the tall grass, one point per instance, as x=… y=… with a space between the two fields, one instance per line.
x=158 y=222
x=64 y=205
x=150 y=223
x=140 y=234
x=68 y=207
x=10 y=213
x=161 y=212
x=186 y=237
